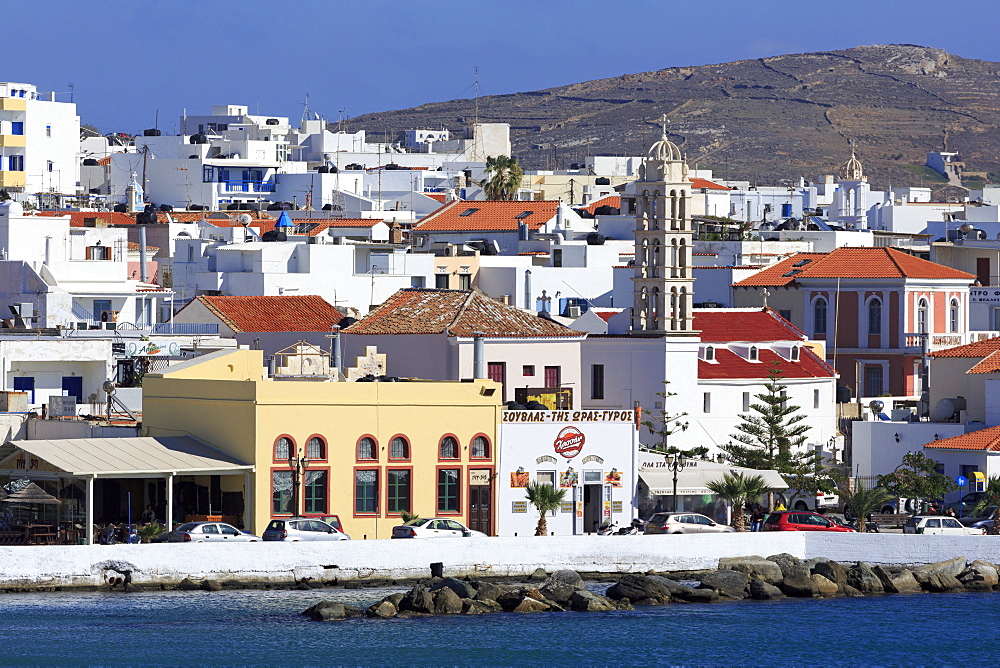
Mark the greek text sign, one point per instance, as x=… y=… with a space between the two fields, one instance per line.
x=568 y=416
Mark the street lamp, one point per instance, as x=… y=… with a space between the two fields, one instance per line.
x=676 y=464
x=298 y=465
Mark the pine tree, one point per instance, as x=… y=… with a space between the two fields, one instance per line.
x=772 y=436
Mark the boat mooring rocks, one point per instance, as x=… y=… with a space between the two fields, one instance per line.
x=775 y=577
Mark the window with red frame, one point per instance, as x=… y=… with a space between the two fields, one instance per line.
x=448 y=495
x=399 y=448
x=282 y=449
x=448 y=448
x=480 y=448
x=367 y=449
x=316 y=448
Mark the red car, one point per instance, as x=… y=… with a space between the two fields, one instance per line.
x=797 y=520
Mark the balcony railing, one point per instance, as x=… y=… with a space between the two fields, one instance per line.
x=247 y=187
x=186 y=328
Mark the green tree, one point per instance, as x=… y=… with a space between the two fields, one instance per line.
x=991 y=499
x=862 y=501
x=545 y=498
x=772 y=436
x=917 y=477
x=740 y=490
x=662 y=424
x=407 y=516
x=503 y=178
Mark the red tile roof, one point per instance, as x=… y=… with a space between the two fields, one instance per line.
x=455 y=313
x=983 y=348
x=698 y=184
x=104 y=162
x=752 y=325
x=989 y=365
x=77 y=218
x=608 y=200
x=872 y=263
x=606 y=315
x=488 y=215
x=729 y=365
x=285 y=313
x=134 y=247
x=441 y=197
x=983 y=439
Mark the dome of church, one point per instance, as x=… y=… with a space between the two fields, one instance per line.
x=852 y=170
x=665 y=150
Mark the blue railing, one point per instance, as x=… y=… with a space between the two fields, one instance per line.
x=247 y=187
x=185 y=328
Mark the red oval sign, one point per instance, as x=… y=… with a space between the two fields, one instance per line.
x=569 y=442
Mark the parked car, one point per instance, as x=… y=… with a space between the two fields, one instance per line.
x=795 y=520
x=939 y=524
x=987 y=514
x=435 y=527
x=801 y=499
x=985 y=525
x=210 y=532
x=296 y=530
x=684 y=523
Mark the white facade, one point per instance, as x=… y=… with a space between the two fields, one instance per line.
x=54 y=366
x=39 y=142
x=590 y=454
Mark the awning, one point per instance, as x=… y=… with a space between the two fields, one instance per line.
x=120 y=457
x=692 y=482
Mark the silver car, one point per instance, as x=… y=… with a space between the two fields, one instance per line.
x=684 y=523
x=295 y=530
x=210 y=532
x=435 y=527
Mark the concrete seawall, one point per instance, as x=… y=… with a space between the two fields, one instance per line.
x=168 y=564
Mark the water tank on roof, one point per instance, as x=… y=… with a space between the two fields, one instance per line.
x=323 y=170
x=577 y=165
x=195 y=207
x=89 y=162
x=602 y=181
x=392 y=166
x=274 y=235
x=946 y=410
x=199 y=139
x=271 y=121
x=166 y=207
x=120 y=208
x=844 y=394
x=346 y=322
x=152 y=132
x=596 y=239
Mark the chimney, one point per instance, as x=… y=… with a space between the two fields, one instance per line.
x=478 y=355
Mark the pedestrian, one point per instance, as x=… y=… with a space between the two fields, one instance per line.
x=148 y=515
x=756 y=518
x=781 y=506
x=950 y=512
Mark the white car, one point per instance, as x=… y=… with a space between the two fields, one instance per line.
x=939 y=524
x=435 y=527
x=210 y=532
x=684 y=523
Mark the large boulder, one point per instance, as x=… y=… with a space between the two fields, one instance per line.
x=731 y=584
x=559 y=592
x=755 y=567
x=539 y=575
x=691 y=595
x=824 y=586
x=885 y=577
x=952 y=567
x=447 y=602
x=789 y=564
x=986 y=571
x=528 y=604
x=940 y=582
x=587 y=601
x=640 y=588
x=462 y=588
x=326 y=611
x=417 y=599
x=799 y=584
x=764 y=591
x=490 y=591
x=904 y=583
x=567 y=577
x=382 y=610
x=863 y=578
x=831 y=570
x=510 y=600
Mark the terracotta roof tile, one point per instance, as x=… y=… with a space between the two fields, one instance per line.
x=104 y=162
x=608 y=200
x=989 y=365
x=983 y=439
x=983 y=348
x=284 y=313
x=729 y=365
x=606 y=315
x=752 y=325
x=78 y=218
x=698 y=184
x=870 y=263
x=488 y=215
x=455 y=312
x=441 y=197
x=133 y=246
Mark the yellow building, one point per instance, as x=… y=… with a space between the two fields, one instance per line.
x=373 y=448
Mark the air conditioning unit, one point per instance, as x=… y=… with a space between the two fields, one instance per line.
x=573 y=311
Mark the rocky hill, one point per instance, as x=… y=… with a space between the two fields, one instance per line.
x=767 y=120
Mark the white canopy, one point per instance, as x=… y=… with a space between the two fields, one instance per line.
x=693 y=481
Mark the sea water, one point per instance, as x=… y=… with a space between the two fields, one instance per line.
x=265 y=628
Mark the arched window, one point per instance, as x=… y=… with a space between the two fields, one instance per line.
x=367 y=449
x=316 y=448
x=710 y=354
x=795 y=354
x=282 y=448
x=922 y=316
x=875 y=316
x=480 y=448
x=819 y=316
x=753 y=353
x=953 y=316
x=399 y=448
x=448 y=448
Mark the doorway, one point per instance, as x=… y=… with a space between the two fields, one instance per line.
x=592 y=504
x=73 y=387
x=480 y=510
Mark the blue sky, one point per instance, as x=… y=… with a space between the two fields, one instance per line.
x=128 y=59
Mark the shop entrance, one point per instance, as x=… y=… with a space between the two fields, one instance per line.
x=592 y=505
x=480 y=510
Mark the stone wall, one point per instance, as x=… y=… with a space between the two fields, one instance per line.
x=45 y=566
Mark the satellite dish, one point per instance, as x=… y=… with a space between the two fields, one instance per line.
x=876 y=406
x=245 y=219
x=108 y=387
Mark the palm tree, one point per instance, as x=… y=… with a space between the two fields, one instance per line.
x=503 y=178
x=991 y=497
x=862 y=501
x=545 y=498
x=739 y=490
x=407 y=516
